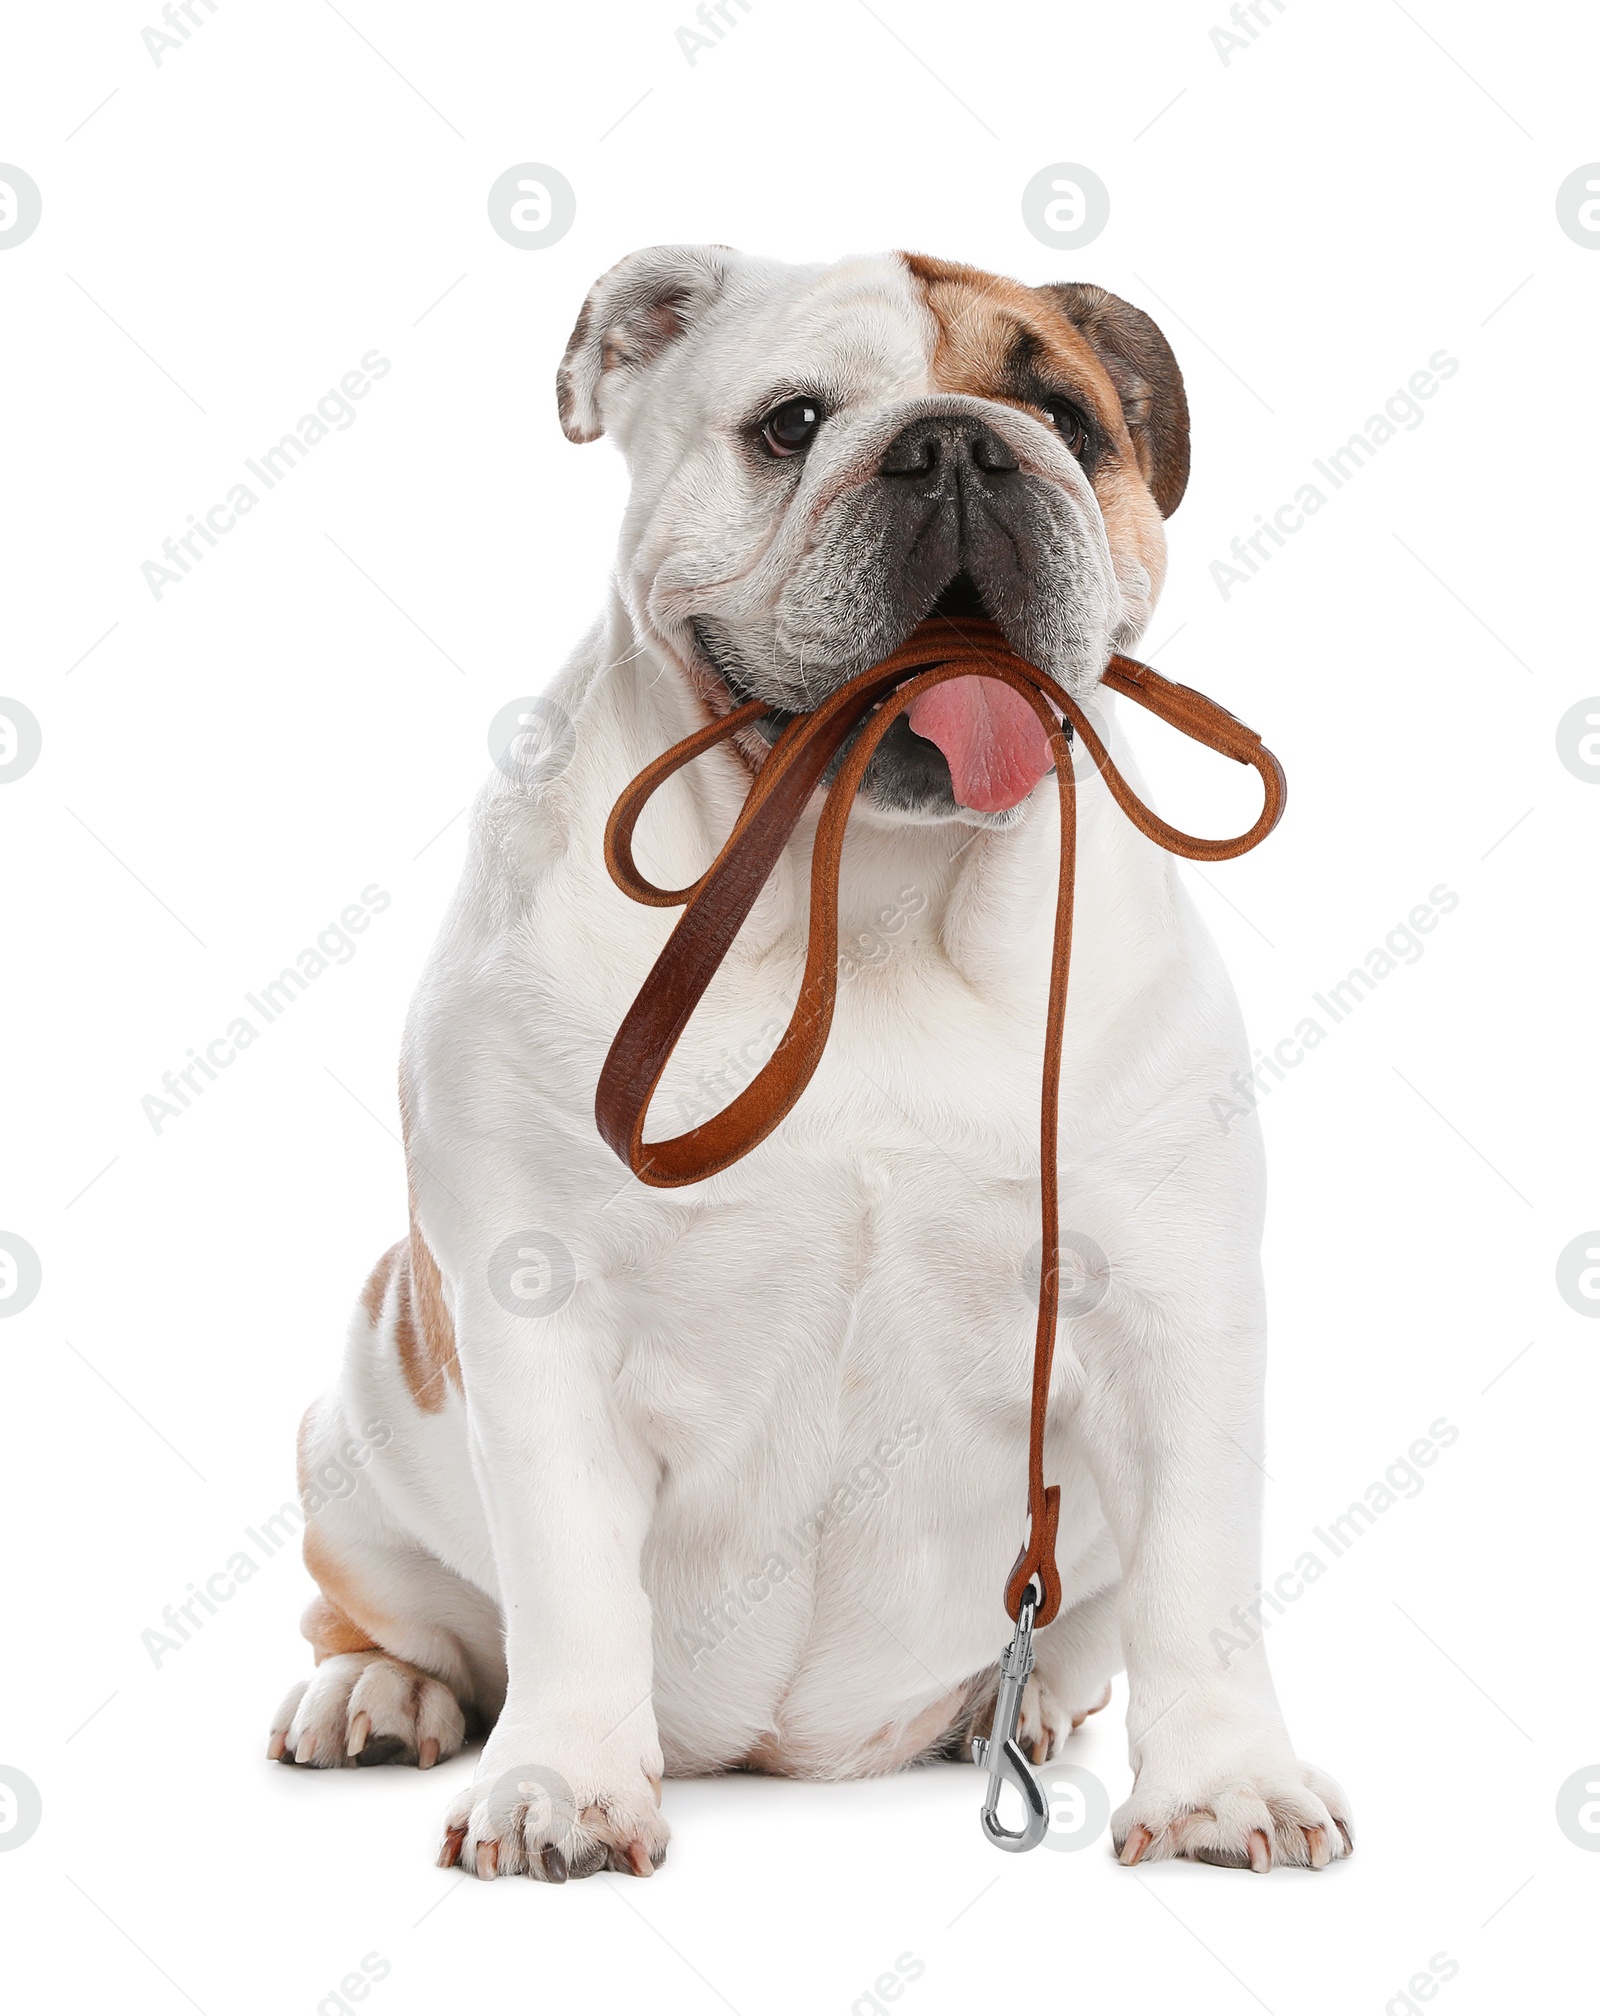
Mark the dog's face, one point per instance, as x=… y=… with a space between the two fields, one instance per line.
x=823 y=456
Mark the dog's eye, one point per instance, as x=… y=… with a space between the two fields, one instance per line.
x=788 y=429
x=1069 y=424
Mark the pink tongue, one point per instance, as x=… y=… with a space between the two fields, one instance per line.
x=991 y=738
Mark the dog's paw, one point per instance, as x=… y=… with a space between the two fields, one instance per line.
x=1047 y=1719
x=555 y=1821
x=366 y=1708
x=1295 y=1815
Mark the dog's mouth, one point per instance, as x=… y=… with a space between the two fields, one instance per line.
x=993 y=746
x=961 y=597
x=993 y=743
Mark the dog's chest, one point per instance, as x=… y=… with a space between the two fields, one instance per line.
x=880 y=1243
x=822 y=1356
x=829 y=1360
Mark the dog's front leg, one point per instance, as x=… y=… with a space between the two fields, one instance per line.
x=1172 y=1419
x=570 y=1780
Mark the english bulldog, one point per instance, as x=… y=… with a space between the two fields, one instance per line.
x=650 y=1483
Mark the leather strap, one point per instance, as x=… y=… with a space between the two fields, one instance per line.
x=715 y=906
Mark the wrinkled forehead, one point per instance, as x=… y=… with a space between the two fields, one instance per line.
x=885 y=327
x=856 y=330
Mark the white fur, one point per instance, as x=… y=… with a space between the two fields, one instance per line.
x=736 y=1352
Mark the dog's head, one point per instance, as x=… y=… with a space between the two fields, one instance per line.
x=823 y=455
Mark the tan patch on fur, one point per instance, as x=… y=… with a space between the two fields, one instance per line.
x=328 y=1630
x=377 y=1287
x=424 y=1335
x=424 y=1332
x=339 y=1619
x=977 y=318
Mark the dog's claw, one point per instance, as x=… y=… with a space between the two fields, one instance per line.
x=1345 y=1836
x=1139 y=1839
x=553 y=1862
x=276 y=1746
x=360 y=1730
x=488 y=1859
x=428 y=1753
x=1316 y=1846
x=1260 y=1852
x=450 y=1850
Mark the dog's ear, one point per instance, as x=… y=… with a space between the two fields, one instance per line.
x=1140 y=364
x=633 y=313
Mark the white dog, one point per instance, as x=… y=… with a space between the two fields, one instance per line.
x=670 y=1481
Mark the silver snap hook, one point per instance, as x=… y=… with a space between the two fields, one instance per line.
x=999 y=1752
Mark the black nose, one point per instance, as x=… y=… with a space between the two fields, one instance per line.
x=947 y=444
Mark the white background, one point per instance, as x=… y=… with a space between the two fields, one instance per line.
x=226 y=769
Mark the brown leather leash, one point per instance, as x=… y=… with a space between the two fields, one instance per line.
x=716 y=905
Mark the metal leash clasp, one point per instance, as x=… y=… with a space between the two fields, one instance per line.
x=999 y=1751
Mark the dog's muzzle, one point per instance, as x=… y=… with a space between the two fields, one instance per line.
x=951 y=478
